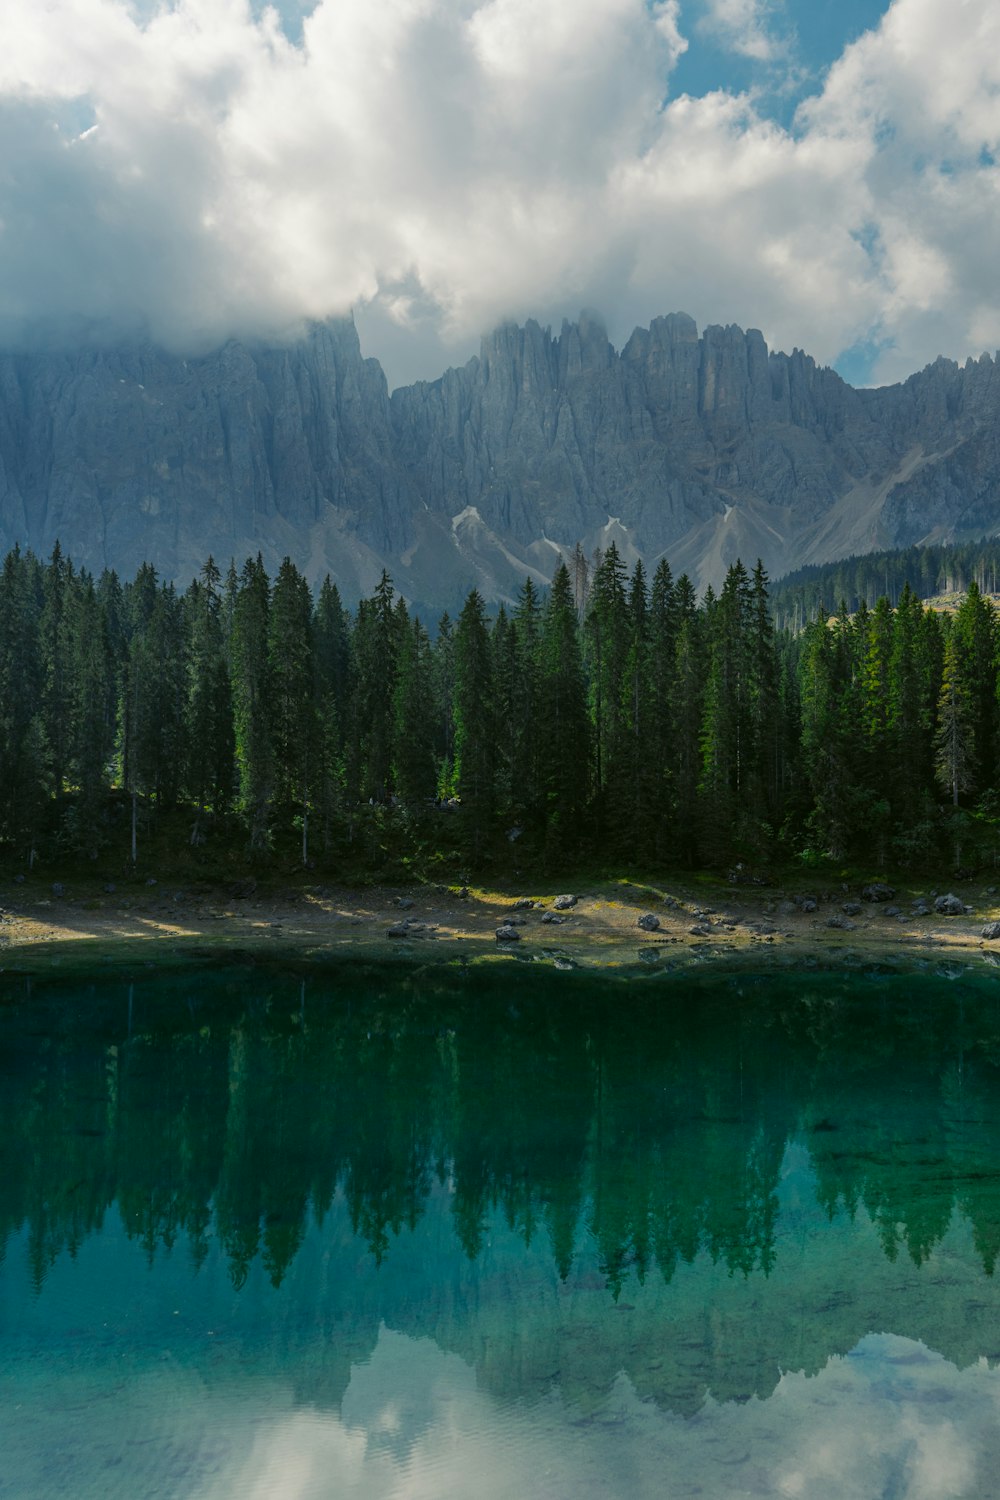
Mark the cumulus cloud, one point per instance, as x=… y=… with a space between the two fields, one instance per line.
x=204 y=168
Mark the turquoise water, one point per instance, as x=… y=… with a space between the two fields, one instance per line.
x=502 y=1232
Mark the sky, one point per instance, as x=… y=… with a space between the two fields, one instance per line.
x=193 y=170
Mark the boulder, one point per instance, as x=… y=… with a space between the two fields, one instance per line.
x=991 y=931
x=563 y=903
x=525 y=904
x=949 y=906
x=842 y=922
x=851 y=908
x=877 y=891
x=404 y=903
x=808 y=904
x=508 y=934
x=649 y=923
x=549 y=918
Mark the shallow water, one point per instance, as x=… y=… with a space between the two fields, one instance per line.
x=444 y=1232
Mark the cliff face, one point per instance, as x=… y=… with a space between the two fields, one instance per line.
x=703 y=448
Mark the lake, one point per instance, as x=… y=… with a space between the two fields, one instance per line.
x=498 y=1230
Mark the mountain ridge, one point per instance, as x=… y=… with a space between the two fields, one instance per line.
x=700 y=447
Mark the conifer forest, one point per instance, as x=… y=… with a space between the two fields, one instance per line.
x=612 y=720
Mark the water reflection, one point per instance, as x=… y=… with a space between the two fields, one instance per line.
x=699 y=1183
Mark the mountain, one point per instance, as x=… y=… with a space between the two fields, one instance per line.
x=701 y=448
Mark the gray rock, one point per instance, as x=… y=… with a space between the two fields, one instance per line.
x=892 y=911
x=550 y=920
x=949 y=906
x=808 y=905
x=515 y=921
x=508 y=934
x=991 y=931
x=649 y=923
x=842 y=922
x=700 y=931
x=877 y=891
x=404 y=903
x=525 y=904
x=851 y=908
x=398 y=930
x=563 y=903
x=58 y=889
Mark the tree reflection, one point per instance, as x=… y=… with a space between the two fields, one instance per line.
x=653 y=1114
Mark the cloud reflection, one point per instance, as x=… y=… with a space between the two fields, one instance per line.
x=891 y=1418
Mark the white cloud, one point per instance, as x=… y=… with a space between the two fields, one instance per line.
x=746 y=27
x=441 y=164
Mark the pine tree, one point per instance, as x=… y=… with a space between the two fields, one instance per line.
x=414 y=770
x=292 y=677
x=606 y=634
x=252 y=699
x=563 y=728
x=691 y=667
x=727 y=742
x=475 y=725
x=92 y=719
x=954 y=742
x=974 y=671
x=333 y=694
x=24 y=768
x=208 y=773
x=374 y=652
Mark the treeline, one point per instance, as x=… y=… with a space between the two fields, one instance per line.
x=624 y=720
x=928 y=571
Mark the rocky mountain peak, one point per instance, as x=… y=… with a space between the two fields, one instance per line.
x=697 y=447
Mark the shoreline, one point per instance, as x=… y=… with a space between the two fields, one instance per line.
x=41 y=932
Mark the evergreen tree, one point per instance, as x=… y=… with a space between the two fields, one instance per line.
x=606 y=633
x=974 y=674
x=954 y=740
x=292 y=678
x=92 y=714
x=333 y=693
x=208 y=777
x=689 y=677
x=24 y=768
x=374 y=652
x=414 y=771
x=475 y=725
x=563 y=730
x=252 y=690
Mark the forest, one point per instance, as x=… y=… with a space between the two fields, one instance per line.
x=613 y=720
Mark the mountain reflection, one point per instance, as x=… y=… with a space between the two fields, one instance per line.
x=653 y=1114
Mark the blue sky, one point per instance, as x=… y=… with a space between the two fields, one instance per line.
x=809 y=35
x=198 y=169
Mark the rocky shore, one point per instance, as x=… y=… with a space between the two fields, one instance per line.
x=611 y=924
